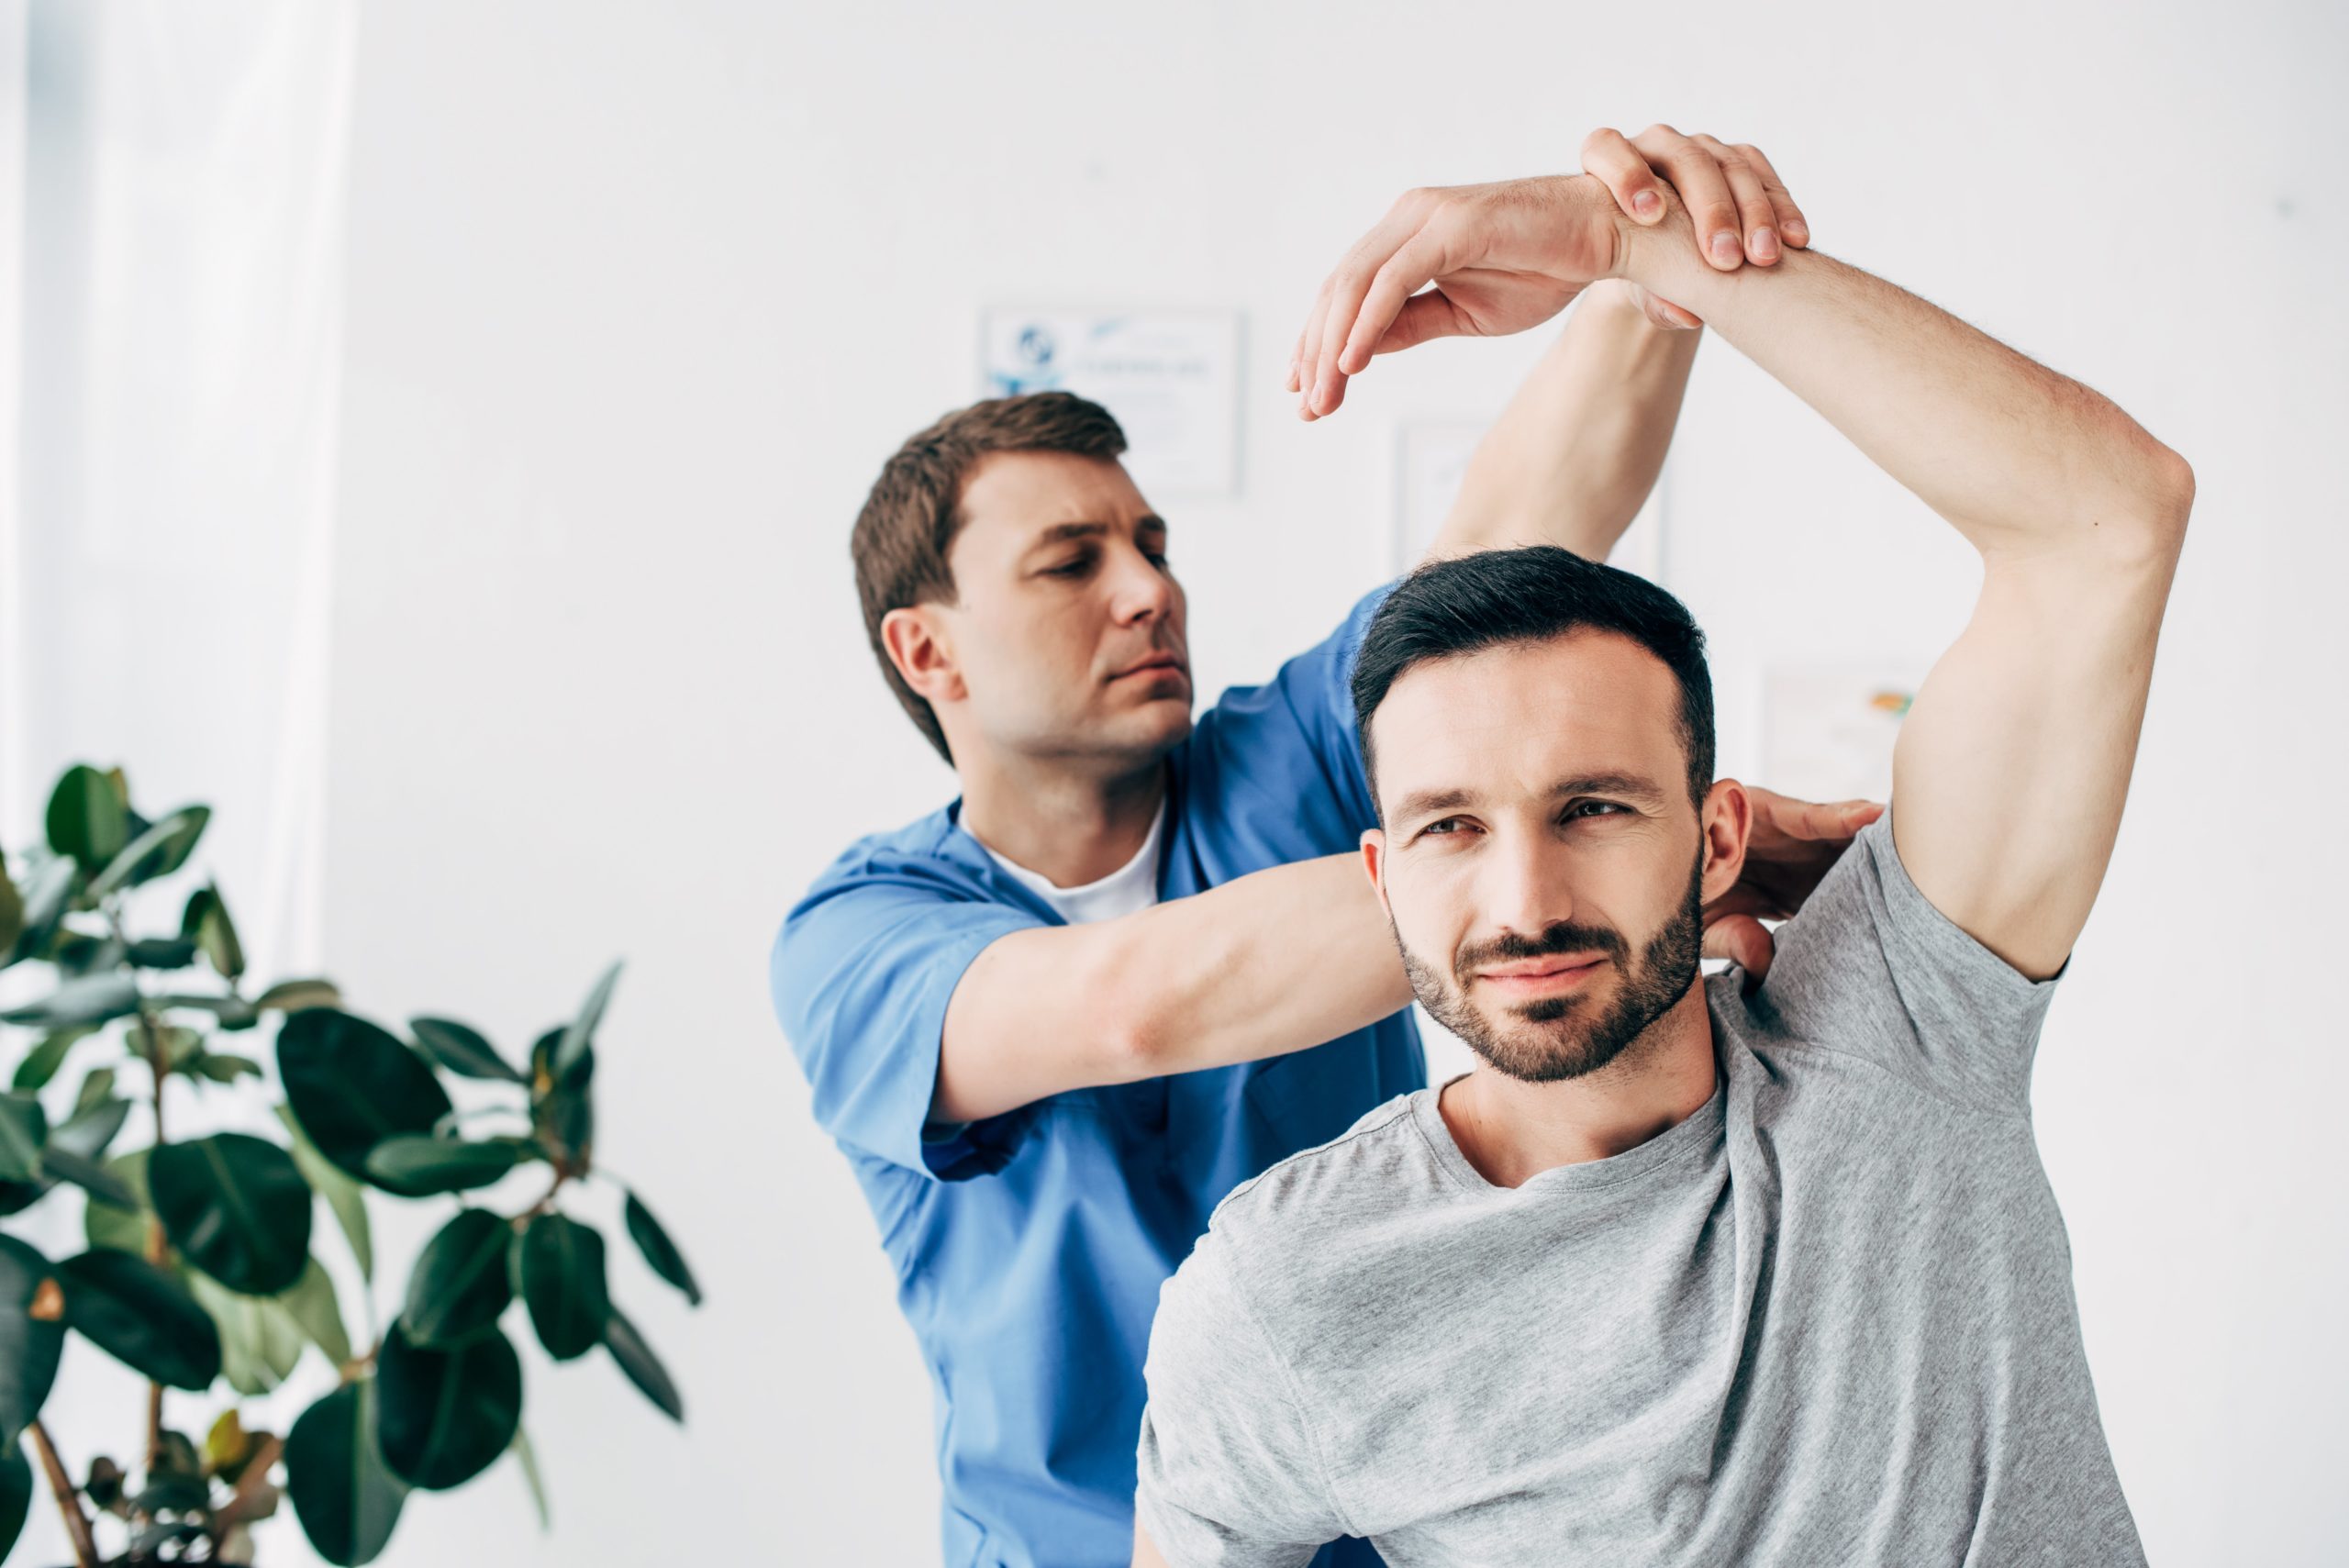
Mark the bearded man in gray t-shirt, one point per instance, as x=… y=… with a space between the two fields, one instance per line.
x=1685 y=1273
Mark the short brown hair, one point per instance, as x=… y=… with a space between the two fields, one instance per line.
x=915 y=507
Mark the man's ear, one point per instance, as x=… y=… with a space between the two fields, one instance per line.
x=1374 y=860
x=1726 y=821
x=918 y=646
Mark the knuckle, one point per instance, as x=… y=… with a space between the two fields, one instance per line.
x=1660 y=130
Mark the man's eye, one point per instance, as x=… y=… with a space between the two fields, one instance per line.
x=1076 y=568
x=1447 y=827
x=1596 y=808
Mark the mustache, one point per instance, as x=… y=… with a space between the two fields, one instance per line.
x=1564 y=936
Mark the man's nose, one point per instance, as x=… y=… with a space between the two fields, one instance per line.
x=1143 y=590
x=1523 y=888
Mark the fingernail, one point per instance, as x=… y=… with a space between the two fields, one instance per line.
x=1725 y=249
x=1647 y=204
x=1765 y=245
x=1797 y=229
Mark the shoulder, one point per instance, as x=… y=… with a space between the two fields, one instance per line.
x=1312 y=1213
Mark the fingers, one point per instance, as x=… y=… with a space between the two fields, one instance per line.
x=1743 y=940
x=1704 y=190
x=1424 y=315
x=1609 y=155
x=1792 y=225
x=1757 y=218
x=1328 y=328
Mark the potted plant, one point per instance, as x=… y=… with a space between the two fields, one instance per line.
x=200 y=1268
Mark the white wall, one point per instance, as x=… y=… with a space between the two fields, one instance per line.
x=641 y=294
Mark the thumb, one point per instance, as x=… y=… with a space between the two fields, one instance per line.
x=1744 y=942
x=1424 y=317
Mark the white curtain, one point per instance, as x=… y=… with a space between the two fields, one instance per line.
x=171 y=330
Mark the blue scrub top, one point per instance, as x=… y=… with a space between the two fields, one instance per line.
x=1029 y=1247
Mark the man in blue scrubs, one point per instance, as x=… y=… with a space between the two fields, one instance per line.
x=1053 y=1024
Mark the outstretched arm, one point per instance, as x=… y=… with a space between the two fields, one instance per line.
x=2014 y=761
x=2012 y=765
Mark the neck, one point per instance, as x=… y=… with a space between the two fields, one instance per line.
x=1068 y=827
x=1511 y=1131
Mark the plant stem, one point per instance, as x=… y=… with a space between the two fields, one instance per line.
x=77 y=1523
x=256 y=1473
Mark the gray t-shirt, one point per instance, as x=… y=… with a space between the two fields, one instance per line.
x=1826 y=1319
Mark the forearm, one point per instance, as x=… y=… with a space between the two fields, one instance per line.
x=1571 y=458
x=2017 y=457
x=1268 y=963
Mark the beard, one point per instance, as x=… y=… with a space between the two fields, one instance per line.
x=1556 y=1037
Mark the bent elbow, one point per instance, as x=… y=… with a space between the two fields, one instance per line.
x=1131 y=1037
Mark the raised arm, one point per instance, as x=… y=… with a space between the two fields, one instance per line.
x=2013 y=762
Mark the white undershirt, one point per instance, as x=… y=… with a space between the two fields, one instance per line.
x=1132 y=887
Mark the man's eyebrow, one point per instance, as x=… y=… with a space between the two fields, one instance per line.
x=1421 y=802
x=1059 y=533
x=1630 y=785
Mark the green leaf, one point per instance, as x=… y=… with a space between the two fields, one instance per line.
x=224 y=1067
x=32 y=1331
x=48 y=888
x=142 y=1316
x=103 y=1185
x=352 y=1086
x=562 y=1107
x=12 y=926
x=90 y=999
x=24 y=1128
x=157 y=852
x=347 y=1499
x=461 y=1280
x=415 y=1165
x=529 y=1457
x=659 y=1251
x=16 y=1485
x=643 y=1367
x=342 y=1193
x=447 y=1414
x=312 y=1305
x=561 y=1266
x=90 y=1128
x=463 y=1051
x=99 y=1086
x=41 y=1063
x=206 y=922
x=173 y=1045
x=260 y=1342
x=300 y=996
x=581 y=1033
x=160 y=952
x=236 y=1207
x=87 y=818
x=108 y=1226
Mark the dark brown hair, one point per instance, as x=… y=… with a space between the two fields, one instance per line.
x=915 y=507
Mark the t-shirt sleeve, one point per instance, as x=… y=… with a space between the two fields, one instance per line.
x=1868 y=966
x=1292 y=738
x=1229 y=1473
x=861 y=975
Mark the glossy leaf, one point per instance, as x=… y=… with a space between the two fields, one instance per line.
x=90 y=1128
x=48 y=889
x=160 y=952
x=463 y=1050
x=158 y=851
x=235 y=1207
x=351 y=1085
x=561 y=1263
x=580 y=1033
x=41 y=1063
x=260 y=1341
x=311 y=1304
x=562 y=1107
x=300 y=996
x=224 y=1067
x=87 y=819
x=447 y=1414
x=142 y=1316
x=461 y=1280
x=24 y=1129
x=102 y=1184
x=32 y=1331
x=347 y=1499
x=643 y=1367
x=419 y=1166
x=12 y=926
x=91 y=999
x=342 y=1193
x=206 y=922
x=17 y=1487
x=660 y=1251
x=108 y=1226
